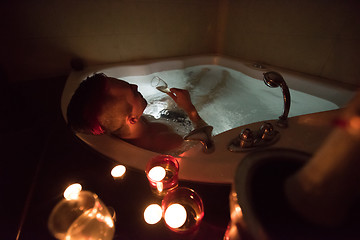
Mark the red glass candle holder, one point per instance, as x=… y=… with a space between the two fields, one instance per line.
x=183 y=210
x=162 y=173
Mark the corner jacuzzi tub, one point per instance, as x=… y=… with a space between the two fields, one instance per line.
x=229 y=95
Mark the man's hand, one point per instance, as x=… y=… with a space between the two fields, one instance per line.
x=182 y=99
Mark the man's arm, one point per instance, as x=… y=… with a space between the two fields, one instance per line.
x=183 y=100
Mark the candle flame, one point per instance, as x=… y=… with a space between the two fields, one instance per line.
x=72 y=191
x=152 y=214
x=118 y=171
x=175 y=215
x=157 y=173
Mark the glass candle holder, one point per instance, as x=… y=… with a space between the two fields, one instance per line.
x=83 y=217
x=162 y=173
x=183 y=210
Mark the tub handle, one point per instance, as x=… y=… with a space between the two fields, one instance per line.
x=249 y=140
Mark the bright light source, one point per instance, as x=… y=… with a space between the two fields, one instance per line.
x=109 y=221
x=157 y=173
x=72 y=191
x=159 y=186
x=118 y=171
x=152 y=214
x=175 y=215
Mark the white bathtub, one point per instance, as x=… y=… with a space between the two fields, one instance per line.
x=219 y=166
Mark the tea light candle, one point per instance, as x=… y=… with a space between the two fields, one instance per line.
x=175 y=215
x=118 y=171
x=183 y=210
x=162 y=173
x=72 y=191
x=152 y=214
x=157 y=173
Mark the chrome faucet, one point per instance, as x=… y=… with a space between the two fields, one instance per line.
x=249 y=140
x=204 y=136
x=274 y=79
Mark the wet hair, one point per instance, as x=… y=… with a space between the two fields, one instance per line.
x=85 y=105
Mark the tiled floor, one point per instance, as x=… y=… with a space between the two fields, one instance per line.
x=41 y=157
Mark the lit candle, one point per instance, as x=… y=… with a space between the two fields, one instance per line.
x=118 y=171
x=153 y=214
x=162 y=173
x=157 y=173
x=175 y=215
x=72 y=191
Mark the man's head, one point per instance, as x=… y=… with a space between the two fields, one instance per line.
x=103 y=104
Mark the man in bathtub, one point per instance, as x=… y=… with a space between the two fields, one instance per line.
x=106 y=105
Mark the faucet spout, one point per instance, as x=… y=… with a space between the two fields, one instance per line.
x=204 y=136
x=274 y=79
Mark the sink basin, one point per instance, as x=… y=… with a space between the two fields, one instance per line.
x=259 y=187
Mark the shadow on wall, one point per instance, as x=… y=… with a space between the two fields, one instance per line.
x=44 y=36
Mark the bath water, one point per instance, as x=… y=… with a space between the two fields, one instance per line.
x=224 y=98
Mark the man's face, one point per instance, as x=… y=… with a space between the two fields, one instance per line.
x=122 y=99
x=120 y=89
